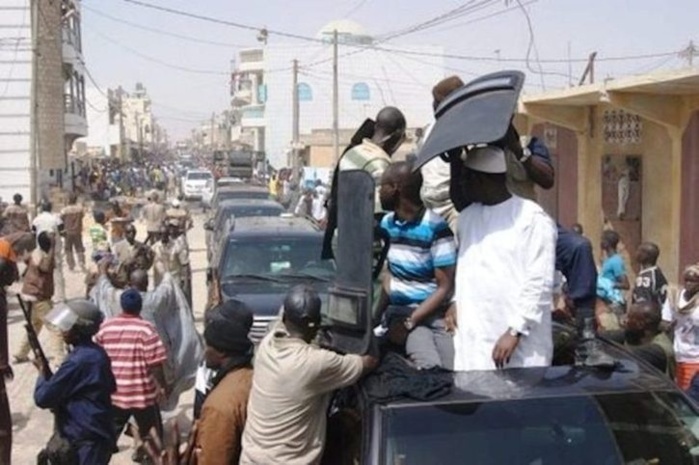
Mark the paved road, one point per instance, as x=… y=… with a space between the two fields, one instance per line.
x=32 y=426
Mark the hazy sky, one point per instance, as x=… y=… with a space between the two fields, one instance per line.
x=121 y=54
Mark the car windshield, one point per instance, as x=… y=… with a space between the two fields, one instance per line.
x=198 y=176
x=607 y=429
x=288 y=257
x=246 y=211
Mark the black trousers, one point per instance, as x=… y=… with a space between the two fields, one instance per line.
x=146 y=419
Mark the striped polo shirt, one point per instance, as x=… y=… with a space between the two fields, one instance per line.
x=416 y=249
x=134 y=347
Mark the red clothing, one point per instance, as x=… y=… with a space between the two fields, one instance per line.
x=134 y=347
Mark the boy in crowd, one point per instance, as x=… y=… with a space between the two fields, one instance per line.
x=651 y=285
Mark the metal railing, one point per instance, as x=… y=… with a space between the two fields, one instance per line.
x=73 y=105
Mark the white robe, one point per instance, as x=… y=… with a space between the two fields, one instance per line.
x=504 y=279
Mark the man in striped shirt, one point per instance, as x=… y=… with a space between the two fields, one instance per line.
x=374 y=155
x=421 y=264
x=138 y=355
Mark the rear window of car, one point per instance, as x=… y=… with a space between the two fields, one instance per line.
x=609 y=429
x=198 y=176
x=228 y=195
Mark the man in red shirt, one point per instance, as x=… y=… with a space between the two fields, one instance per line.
x=138 y=355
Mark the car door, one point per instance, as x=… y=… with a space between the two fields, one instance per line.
x=348 y=313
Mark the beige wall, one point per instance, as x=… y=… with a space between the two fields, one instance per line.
x=660 y=188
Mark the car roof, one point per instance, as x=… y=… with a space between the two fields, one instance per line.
x=239 y=202
x=198 y=171
x=276 y=226
x=242 y=187
x=630 y=375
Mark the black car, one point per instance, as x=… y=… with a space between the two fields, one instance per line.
x=261 y=259
x=560 y=415
x=598 y=403
x=218 y=226
x=238 y=191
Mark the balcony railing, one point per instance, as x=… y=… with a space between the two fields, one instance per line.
x=73 y=105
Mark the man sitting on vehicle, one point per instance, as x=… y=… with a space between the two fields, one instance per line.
x=643 y=337
x=421 y=263
x=291 y=386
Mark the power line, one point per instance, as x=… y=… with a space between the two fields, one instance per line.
x=222 y=21
x=163 y=32
x=158 y=61
x=393 y=50
x=94 y=83
x=355 y=8
x=532 y=45
x=483 y=18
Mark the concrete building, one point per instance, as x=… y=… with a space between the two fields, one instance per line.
x=58 y=84
x=627 y=157
x=369 y=79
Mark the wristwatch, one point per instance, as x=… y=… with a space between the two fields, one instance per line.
x=514 y=332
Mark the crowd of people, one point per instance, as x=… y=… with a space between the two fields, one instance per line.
x=476 y=272
x=110 y=177
x=104 y=374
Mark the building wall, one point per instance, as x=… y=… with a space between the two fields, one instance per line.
x=689 y=213
x=561 y=201
x=383 y=74
x=50 y=86
x=15 y=91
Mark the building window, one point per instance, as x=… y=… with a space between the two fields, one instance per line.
x=305 y=93
x=262 y=93
x=622 y=128
x=360 y=91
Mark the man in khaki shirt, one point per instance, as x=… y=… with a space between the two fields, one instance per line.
x=72 y=217
x=16 y=217
x=291 y=387
x=154 y=216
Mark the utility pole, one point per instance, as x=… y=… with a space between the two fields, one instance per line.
x=589 y=69
x=689 y=53
x=120 y=102
x=336 y=105
x=34 y=101
x=295 y=119
x=213 y=120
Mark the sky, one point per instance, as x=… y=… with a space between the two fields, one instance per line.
x=188 y=80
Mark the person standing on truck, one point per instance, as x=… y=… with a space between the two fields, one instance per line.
x=292 y=383
x=373 y=155
x=504 y=271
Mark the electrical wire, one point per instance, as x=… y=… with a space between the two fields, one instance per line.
x=158 y=61
x=163 y=32
x=389 y=49
x=532 y=45
x=94 y=83
x=355 y=8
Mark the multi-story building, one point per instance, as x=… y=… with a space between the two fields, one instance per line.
x=370 y=77
x=42 y=94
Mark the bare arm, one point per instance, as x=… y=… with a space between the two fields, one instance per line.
x=445 y=288
x=539 y=171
